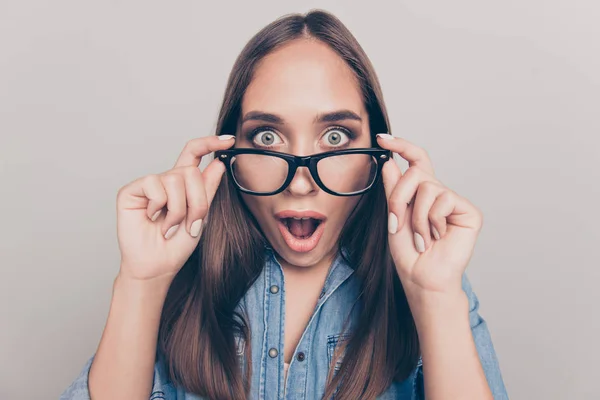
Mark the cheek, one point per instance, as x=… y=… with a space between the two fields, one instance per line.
x=259 y=206
x=342 y=207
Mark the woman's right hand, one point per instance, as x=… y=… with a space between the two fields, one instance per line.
x=159 y=217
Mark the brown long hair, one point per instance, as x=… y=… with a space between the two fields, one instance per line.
x=199 y=320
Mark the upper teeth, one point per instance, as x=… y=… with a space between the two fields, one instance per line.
x=298 y=218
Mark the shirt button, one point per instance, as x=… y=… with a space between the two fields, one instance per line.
x=273 y=352
x=301 y=356
x=274 y=289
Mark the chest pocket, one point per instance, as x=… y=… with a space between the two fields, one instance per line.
x=332 y=343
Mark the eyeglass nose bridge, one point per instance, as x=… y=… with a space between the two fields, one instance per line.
x=303 y=161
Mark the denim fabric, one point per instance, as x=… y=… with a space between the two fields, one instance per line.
x=306 y=378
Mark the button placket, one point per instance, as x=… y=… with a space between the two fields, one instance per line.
x=273 y=297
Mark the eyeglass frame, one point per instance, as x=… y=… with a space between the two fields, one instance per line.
x=380 y=155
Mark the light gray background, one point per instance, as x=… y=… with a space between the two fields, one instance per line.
x=504 y=95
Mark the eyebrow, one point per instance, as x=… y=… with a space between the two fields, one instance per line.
x=334 y=116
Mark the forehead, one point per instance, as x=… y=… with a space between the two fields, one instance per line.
x=303 y=76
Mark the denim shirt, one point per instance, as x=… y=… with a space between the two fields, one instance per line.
x=307 y=373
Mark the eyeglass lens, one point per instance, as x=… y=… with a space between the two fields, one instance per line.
x=345 y=174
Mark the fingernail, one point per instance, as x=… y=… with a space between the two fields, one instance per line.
x=156 y=214
x=392 y=223
x=225 y=137
x=195 y=229
x=171 y=231
x=436 y=234
x=419 y=243
x=385 y=136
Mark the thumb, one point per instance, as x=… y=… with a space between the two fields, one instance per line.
x=212 y=175
x=390 y=174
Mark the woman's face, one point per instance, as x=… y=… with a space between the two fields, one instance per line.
x=288 y=108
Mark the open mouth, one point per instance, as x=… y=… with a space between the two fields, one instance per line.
x=301 y=228
x=301 y=231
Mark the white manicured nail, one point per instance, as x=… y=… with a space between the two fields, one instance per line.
x=225 y=137
x=385 y=136
x=436 y=234
x=195 y=229
x=171 y=231
x=419 y=243
x=392 y=223
x=156 y=214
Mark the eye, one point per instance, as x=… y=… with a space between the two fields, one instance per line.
x=335 y=137
x=265 y=137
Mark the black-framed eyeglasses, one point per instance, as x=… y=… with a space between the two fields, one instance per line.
x=347 y=172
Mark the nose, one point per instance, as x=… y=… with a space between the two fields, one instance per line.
x=303 y=183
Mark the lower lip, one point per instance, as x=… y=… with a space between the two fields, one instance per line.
x=301 y=245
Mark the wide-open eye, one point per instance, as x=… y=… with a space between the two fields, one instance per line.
x=337 y=137
x=266 y=138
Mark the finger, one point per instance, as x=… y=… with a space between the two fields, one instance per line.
x=195 y=149
x=427 y=194
x=434 y=231
x=145 y=193
x=197 y=204
x=156 y=194
x=212 y=175
x=402 y=242
x=176 y=203
x=403 y=193
x=415 y=155
x=390 y=174
x=442 y=207
x=463 y=213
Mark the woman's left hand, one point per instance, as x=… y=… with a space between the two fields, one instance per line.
x=426 y=264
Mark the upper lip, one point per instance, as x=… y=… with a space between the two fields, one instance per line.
x=300 y=214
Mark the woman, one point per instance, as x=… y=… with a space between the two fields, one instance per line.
x=271 y=274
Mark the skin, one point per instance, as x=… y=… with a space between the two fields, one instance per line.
x=298 y=82
x=159 y=221
x=431 y=269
